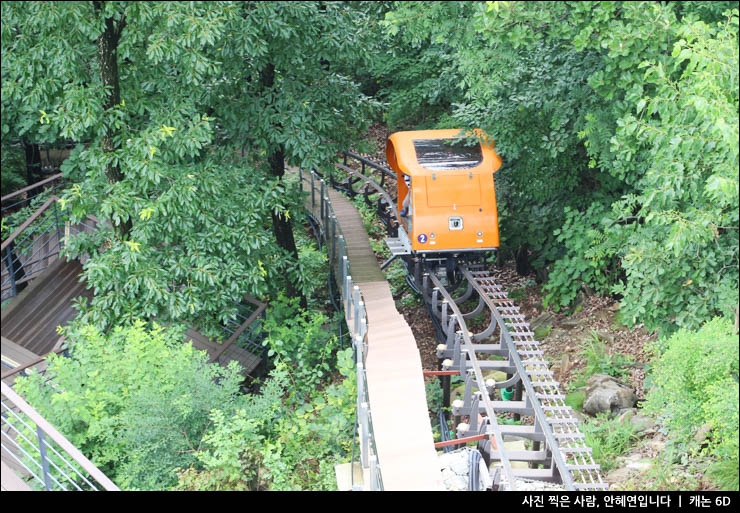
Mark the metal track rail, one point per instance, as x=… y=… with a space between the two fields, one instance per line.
x=465 y=359
x=565 y=456
x=558 y=447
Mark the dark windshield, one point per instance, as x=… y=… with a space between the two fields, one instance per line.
x=443 y=154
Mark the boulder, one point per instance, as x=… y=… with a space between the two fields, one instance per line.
x=606 y=394
x=703 y=433
x=642 y=423
x=544 y=319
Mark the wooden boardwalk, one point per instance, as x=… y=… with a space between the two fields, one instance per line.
x=29 y=322
x=400 y=418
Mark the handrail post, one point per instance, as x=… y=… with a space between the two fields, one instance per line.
x=364 y=437
x=360 y=383
x=373 y=473
x=11 y=271
x=56 y=222
x=44 y=458
x=348 y=297
x=356 y=301
x=313 y=199
x=323 y=205
x=333 y=240
x=326 y=213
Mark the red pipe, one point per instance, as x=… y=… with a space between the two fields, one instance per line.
x=440 y=373
x=458 y=441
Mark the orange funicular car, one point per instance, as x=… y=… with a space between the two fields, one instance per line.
x=446 y=195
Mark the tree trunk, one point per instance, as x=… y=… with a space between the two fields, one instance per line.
x=33 y=164
x=281 y=226
x=522 y=261
x=108 y=58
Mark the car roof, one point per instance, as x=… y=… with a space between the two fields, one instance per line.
x=427 y=152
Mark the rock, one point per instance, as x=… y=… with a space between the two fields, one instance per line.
x=640 y=466
x=634 y=457
x=570 y=323
x=607 y=394
x=606 y=336
x=625 y=415
x=577 y=414
x=703 y=433
x=657 y=446
x=537 y=486
x=641 y=423
x=617 y=476
x=455 y=469
x=544 y=319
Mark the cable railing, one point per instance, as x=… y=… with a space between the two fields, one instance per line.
x=23 y=197
x=46 y=459
x=355 y=316
x=35 y=244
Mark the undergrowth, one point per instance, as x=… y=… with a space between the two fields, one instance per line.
x=609 y=439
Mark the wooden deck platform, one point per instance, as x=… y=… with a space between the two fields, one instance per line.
x=401 y=425
x=31 y=319
x=215 y=350
x=29 y=322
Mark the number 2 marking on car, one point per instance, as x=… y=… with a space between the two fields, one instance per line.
x=422 y=238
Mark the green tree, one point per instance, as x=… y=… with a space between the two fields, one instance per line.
x=695 y=377
x=167 y=93
x=619 y=120
x=283 y=93
x=135 y=402
x=268 y=443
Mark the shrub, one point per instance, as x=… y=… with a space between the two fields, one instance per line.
x=267 y=443
x=298 y=339
x=135 y=402
x=695 y=376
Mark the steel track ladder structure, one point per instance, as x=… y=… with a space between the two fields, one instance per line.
x=558 y=452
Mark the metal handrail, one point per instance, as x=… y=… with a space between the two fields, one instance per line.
x=355 y=317
x=45 y=429
x=30 y=187
x=12 y=249
x=231 y=341
x=371 y=183
x=54 y=198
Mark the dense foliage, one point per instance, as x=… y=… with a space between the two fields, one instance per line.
x=267 y=443
x=300 y=340
x=695 y=378
x=165 y=98
x=135 y=402
x=618 y=125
